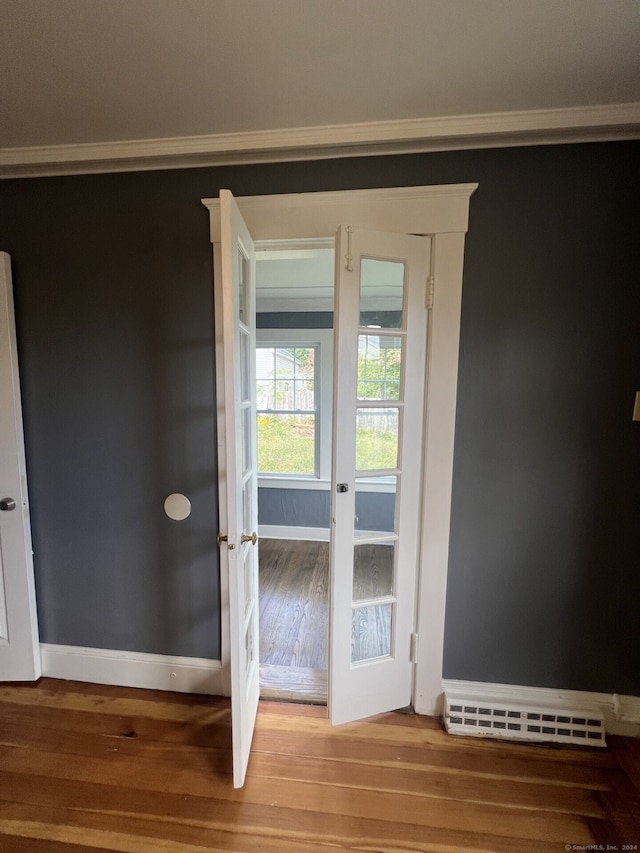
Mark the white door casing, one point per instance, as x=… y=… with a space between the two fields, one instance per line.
x=373 y=572
x=441 y=212
x=19 y=646
x=234 y=260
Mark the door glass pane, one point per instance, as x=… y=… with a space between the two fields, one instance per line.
x=376 y=504
x=381 y=293
x=246 y=438
x=371 y=632
x=379 y=367
x=245 y=367
x=249 y=565
x=377 y=438
x=249 y=647
x=247 y=507
x=373 y=570
x=243 y=290
x=247 y=560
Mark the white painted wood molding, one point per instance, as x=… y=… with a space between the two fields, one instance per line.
x=604 y=123
x=133 y=669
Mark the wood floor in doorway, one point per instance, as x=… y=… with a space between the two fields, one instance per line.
x=294 y=614
x=294 y=619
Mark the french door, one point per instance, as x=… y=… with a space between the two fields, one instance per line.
x=379 y=377
x=235 y=322
x=380 y=353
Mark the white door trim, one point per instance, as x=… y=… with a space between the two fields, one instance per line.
x=443 y=213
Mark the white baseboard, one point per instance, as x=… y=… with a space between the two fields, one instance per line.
x=132 y=669
x=621 y=713
x=311 y=534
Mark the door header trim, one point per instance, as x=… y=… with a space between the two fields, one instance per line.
x=405 y=210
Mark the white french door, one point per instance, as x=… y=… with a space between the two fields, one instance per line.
x=379 y=377
x=235 y=320
x=19 y=647
x=380 y=361
x=442 y=212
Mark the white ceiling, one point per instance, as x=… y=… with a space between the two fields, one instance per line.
x=214 y=76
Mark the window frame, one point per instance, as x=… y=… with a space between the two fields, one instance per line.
x=323 y=340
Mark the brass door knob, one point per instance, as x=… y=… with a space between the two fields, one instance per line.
x=253 y=538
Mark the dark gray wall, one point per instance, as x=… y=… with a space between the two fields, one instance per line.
x=113 y=305
x=294 y=507
x=113 y=292
x=310 y=508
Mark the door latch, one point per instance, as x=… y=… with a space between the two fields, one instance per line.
x=342 y=487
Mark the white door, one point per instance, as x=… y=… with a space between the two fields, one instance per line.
x=19 y=648
x=379 y=375
x=235 y=310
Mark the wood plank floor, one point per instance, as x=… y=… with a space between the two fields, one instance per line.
x=294 y=619
x=90 y=768
x=294 y=603
x=294 y=614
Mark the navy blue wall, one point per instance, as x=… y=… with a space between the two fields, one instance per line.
x=114 y=313
x=310 y=508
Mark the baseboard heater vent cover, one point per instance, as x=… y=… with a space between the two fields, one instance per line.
x=512 y=721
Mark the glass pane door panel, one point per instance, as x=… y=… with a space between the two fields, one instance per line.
x=371 y=632
x=246 y=437
x=249 y=646
x=245 y=367
x=248 y=568
x=243 y=290
x=373 y=570
x=379 y=367
x=381 y=293
x=247 y=508
x=376 y=505
x=377 y=438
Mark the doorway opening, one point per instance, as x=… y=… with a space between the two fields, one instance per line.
x=294 y=390
x=355 y=682
x=295 y=311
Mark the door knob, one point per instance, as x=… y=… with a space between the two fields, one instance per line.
x=253 y=538
x=7 y=504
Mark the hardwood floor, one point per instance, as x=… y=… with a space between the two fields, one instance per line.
x=294 y=603
x=90 y=768
x=294 y=619
x=294 y=614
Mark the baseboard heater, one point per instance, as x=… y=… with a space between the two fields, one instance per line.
x=512 y=721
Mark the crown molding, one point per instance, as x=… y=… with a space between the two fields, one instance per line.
x=490 y=130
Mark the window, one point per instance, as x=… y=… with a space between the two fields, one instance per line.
x=317 y=448
x=287 y=379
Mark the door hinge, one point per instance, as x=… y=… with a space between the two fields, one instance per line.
x=430 y=287
x=414 y=648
